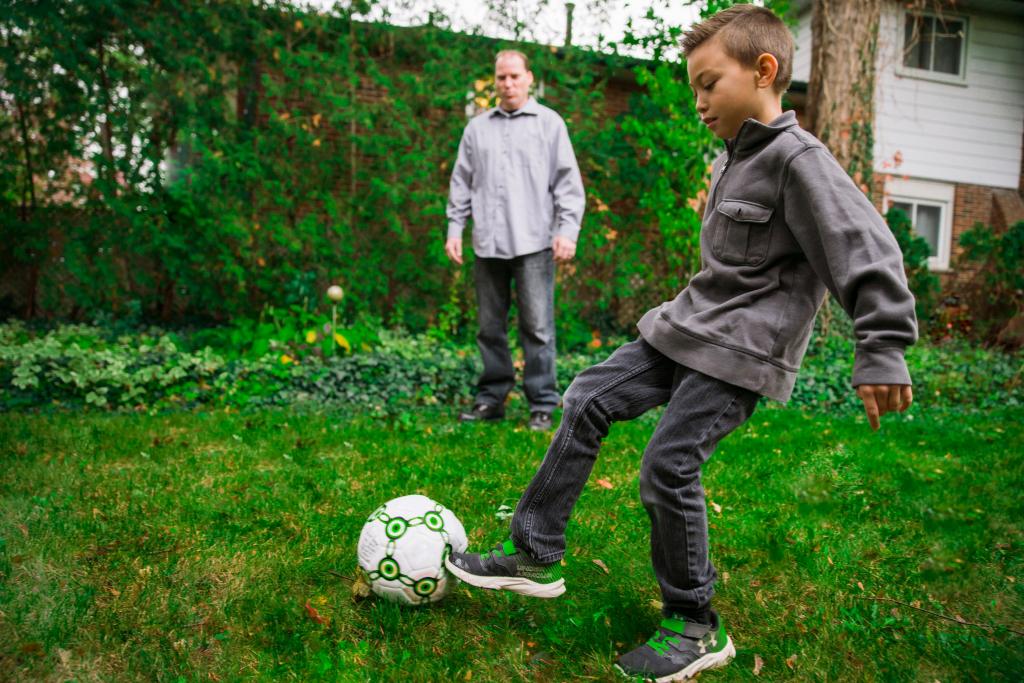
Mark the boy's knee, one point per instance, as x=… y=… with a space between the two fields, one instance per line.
x=665 y=470
x=581 y=393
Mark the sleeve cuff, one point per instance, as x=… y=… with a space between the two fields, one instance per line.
x=455 y=231
x=884 y=365
x=569 y=232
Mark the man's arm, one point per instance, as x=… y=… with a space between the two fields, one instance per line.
x=855 y=254
x=567 y=191
x=460 y=189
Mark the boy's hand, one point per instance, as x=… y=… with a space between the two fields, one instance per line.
x=880 y=399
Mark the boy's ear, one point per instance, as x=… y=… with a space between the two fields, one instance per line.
x=767 y=70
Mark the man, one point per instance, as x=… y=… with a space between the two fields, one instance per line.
x=517 y=175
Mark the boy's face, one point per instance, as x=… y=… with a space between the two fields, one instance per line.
x=727 y=92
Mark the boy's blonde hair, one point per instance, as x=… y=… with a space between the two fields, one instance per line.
x=747 y=32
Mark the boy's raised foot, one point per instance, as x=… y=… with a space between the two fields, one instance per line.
x=679 y=651
x=507 y=568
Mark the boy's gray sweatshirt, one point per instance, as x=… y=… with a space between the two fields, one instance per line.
x=784 y=223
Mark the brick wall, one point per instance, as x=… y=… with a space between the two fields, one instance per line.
x=972 y=204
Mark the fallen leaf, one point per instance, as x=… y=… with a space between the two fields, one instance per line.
x=602 y=565
x=791 y=662
x=860 y=585
x=314 y=615
x=469 y=675
x=716 y=507
x=758 y=665
x=360 y=588
x=604 y=483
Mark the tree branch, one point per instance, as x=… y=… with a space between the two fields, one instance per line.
x=962 y=622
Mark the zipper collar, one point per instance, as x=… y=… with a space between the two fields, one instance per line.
x=753 y=134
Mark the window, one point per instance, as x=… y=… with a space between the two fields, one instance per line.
x=935 y=44
x=930 y=207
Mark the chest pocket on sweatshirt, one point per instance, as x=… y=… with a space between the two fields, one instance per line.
x=744 y=232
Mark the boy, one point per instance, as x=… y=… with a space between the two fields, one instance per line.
x=783 y=224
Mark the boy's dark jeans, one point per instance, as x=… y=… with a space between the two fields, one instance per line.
x=701 y=410
x=534 y=275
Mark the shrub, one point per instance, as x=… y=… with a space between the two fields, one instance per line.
x=996 y=292
x=923 y=283
x=85 y=366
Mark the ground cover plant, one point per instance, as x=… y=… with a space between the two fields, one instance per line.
x=218 y=545
x=150 y=369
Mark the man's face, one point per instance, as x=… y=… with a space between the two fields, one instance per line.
x=725 y=90
x=513 y=81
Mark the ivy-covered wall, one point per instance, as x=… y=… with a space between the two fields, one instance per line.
x=195 y=162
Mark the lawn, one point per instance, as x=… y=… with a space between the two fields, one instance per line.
x=221 y=546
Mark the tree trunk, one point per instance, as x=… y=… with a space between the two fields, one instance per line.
x=28 y=212
x=106 y=132
x=840 y=95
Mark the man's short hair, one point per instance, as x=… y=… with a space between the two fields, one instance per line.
x=513 y=53
x=747 y=32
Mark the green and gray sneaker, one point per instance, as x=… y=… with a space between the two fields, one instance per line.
x=679 y=651
x=507 y=568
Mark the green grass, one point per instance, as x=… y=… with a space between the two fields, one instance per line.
x=185 y=547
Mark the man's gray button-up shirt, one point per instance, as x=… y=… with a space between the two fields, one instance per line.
x=516 y=174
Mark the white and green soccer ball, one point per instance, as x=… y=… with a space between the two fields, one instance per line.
x=402 y=549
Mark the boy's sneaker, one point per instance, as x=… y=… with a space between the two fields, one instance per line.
x=506 y=568
x=679 y=651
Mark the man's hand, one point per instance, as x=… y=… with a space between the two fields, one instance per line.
x=453 y=247
x=880 y=399
x=564 y=248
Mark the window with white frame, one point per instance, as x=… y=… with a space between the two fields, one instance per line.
x=929 y=206
x=935 y=45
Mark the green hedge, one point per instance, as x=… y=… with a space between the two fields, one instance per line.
x=86 y=366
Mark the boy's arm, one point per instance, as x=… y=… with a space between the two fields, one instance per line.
x=855 y=254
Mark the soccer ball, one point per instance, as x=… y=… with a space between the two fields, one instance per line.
x=402 y=549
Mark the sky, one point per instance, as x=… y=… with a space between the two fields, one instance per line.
x=591 y=18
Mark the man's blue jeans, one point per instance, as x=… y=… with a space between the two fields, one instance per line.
x=534 y=276
x=700 y=411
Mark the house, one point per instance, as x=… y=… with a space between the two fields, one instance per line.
x=949 y=116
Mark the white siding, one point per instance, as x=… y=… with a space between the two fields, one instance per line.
x=802 y=54
x=967 y=132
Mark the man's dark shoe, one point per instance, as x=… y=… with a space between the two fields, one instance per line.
x=482 y=412
x=506 y=568
x=679 y=651
x=539 y=421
